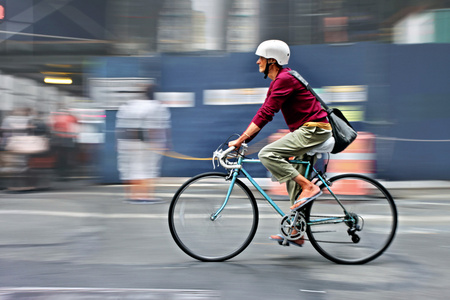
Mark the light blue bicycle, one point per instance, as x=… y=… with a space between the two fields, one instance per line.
x=214 y=216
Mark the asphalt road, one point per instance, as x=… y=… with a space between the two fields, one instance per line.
x=83 y=242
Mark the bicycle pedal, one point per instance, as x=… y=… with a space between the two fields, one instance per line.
x=285 y=243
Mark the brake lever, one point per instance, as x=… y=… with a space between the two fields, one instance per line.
x=216 y=156
x=213 y=160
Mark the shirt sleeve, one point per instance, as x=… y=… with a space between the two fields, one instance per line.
x=280 y=90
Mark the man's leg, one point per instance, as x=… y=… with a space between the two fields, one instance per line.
x=309 y=191
x=274 y=156
x=292 y=187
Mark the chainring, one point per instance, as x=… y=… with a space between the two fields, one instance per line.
x=293 y=226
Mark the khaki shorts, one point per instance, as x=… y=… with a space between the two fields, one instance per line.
x=137 y=161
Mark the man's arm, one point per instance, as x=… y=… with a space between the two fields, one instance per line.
x=251 y=130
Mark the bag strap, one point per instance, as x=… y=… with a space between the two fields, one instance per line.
x=309 y=88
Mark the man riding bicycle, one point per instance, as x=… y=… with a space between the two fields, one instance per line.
x=306 y=119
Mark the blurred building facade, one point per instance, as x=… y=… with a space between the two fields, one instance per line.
x=43 y=38
x=186 y=26
x=130 y=39
x=149 y=26
x=141 y=27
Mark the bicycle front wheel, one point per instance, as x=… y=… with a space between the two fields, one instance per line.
x=207 y=228
x=361 y=234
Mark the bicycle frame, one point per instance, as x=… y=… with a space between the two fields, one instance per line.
x=309 y=168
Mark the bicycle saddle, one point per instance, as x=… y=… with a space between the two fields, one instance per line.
x=324 y=147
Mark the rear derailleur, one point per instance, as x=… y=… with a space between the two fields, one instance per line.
x=355 y=224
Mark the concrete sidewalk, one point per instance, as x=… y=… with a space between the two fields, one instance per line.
x=398 y=189
x=439 y=189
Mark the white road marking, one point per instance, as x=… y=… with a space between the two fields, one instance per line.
x=274 y=215
x=100 y=293
x=313 y=291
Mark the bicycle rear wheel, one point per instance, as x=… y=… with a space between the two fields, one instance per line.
x=192 y=227
x=368 y=229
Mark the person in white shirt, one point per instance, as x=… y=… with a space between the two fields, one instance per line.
x=142 y=131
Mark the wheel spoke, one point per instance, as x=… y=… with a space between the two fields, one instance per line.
x=220 y=238
x=367 y=230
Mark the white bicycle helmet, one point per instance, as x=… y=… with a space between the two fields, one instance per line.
x=275 y=49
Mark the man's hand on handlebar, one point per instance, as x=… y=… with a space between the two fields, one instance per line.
x=247 y=134
x=236 y=143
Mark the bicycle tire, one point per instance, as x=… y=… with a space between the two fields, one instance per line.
x=376 y=212
x=213 y=240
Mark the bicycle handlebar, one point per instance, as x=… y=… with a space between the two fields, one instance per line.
x=222 y=156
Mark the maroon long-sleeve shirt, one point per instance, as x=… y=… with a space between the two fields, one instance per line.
x=297 y=104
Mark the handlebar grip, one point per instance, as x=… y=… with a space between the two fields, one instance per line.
x=223 y=157
x=228 y=151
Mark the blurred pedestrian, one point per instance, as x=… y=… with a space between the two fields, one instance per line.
x=41 y=163
x=142 y=131
x=306 y=119
x=14 y=163
x=19 y=142
x=16 y=123
x=64 y=133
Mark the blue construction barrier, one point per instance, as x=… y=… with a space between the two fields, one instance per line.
x=407 y=107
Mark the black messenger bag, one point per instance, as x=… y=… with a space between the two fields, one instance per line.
x=343 y=132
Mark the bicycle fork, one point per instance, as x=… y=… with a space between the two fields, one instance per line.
x=232 y=177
